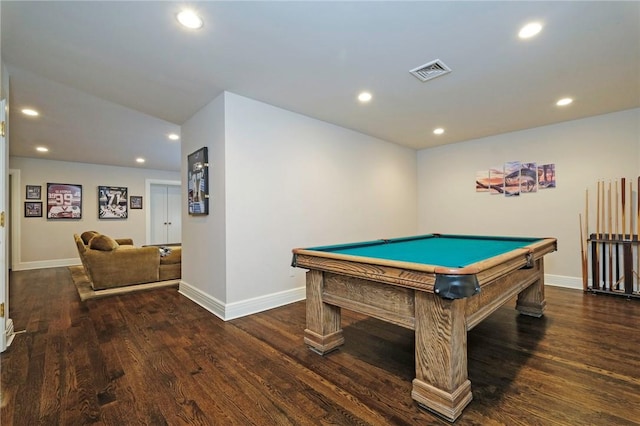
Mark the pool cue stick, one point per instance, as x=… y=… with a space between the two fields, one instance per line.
x=631 y=209
x=617 y=251
x=610 y=225
x=635 y=236
x=586 y=210
x=638 y=209
x=631 y=235
x=631 y=217
x=583 y=256
x=603 y=237
x=624 y=211
x=598 y=211
x=586 y=239
x=595 y=280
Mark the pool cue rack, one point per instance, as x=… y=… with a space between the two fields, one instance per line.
x=617 y=275
x=614 y=248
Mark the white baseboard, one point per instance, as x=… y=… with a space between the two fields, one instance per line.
x=9 y=332
x=41 y=264
x=210 y=303
x=563 y=281
x=242 y=308
x=264 y=303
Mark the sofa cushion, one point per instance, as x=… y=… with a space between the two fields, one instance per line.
x=103 y=243
x=86 y=236
x=173 y=256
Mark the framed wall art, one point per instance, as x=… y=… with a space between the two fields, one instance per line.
x=135 y=202
x=547 y=176
x=64 y=201
x=198 y=182
x=33 y=209
x=516 y=177
x=34 y=192
x=112 y=202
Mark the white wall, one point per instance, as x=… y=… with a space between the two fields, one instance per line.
x=293 y=181
x=204 y=237
x=42 y=242
x=584 y=151
x=290 y=181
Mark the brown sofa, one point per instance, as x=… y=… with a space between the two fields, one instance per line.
x=111 y=263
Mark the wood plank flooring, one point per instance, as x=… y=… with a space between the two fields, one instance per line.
x=156 y=358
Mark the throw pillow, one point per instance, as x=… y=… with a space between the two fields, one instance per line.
x=103 y=243
x=87 y=236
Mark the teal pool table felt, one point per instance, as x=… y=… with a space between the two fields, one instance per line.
x=453 y=251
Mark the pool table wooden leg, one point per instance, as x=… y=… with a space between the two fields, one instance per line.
x=441 y=384
x=323 y=333
x=531 y=300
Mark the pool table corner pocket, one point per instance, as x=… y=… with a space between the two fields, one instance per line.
x=456 y=286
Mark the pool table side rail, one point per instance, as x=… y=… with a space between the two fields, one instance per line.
x=385 y=272
x=334 y=247
x=514 y=259
x=356 y=265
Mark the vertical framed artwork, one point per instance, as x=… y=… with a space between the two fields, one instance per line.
x=496 y=180
x=33 y=192
x=33 y=209
x=512 y=178
x=112 y=202
x=198 y=182
x=64 y=201
x=482 y=181
x=547 y=176
x=135 y=202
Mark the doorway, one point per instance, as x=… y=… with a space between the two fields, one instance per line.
x=6 y=324
x=165 y=216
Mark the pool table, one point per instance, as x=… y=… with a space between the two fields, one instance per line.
x=438 y=285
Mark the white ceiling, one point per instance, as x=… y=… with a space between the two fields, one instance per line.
x=112 y=79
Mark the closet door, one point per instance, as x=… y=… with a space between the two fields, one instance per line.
x=165 y=215
x=174 y=214
x=158 y=215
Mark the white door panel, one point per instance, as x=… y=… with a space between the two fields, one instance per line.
x=165 y=217
x=174 y=214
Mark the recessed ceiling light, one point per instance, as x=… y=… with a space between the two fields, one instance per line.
x=438 y=131
x=564 y=101
x=364 y=97
x=31 y=112
x=173 y=137
x=530 y=30
x=139 y=160
x=42 y=149
x=190 y=19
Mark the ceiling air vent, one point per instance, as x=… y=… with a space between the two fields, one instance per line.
x=431 y=70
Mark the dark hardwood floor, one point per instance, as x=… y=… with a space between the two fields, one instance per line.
x=156 y=358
